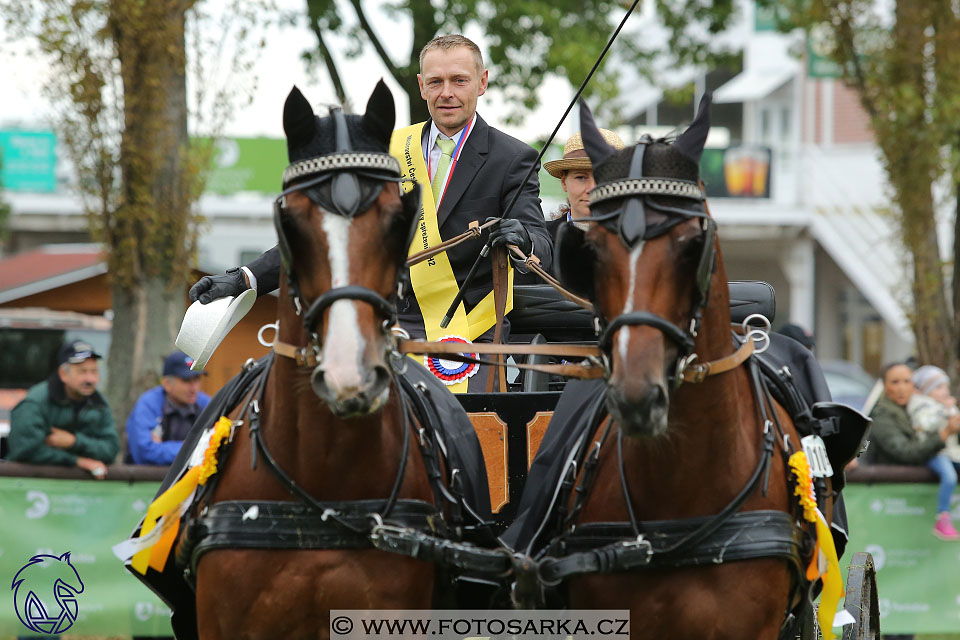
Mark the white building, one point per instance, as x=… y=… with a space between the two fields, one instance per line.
x=820 y=238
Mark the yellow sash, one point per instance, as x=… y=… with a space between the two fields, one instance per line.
x=434 y=283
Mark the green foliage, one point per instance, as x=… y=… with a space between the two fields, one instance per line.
x=527 y=40
x=119 y=87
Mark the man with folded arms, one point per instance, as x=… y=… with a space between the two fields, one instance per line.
x=65 y=420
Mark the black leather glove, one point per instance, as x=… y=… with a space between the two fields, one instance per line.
x=510 y=231
x=210 y=288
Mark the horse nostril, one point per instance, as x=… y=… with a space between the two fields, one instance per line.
x=656 y=397
x=375 y=379
x=318 y=384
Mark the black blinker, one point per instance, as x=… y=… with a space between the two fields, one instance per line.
x=345 y=191
x=633 y=220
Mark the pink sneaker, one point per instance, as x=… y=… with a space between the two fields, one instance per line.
x=944 y=528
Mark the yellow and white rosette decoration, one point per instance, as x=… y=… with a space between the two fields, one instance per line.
x=824 y=563
x=159 y=529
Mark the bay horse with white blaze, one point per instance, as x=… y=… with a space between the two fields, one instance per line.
x=328 y=424
x=682 y=512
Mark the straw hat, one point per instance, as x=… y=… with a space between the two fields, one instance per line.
x=206 y=325
x=574 y=155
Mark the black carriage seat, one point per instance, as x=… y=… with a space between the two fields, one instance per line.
x=540 y=309
x=540 y=314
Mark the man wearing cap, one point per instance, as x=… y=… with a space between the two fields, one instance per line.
x=64 y=420
x=163 y=415
x=469 y=171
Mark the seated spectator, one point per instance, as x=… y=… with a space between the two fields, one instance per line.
x=162 y=417
x=931 y=409
x=893 y=440
x=65 y=420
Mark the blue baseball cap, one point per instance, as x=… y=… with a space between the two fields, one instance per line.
x=178 y=364
x=76 y=352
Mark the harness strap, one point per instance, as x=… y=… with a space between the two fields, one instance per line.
x=473 y=231
x=308 y=356
x=585 y=371
x=745 y=536
x=267 y=524
x=698 y=372
x=422 y=347
x=672 y=331
x=532 y=263
x=500 y=282
x=410 y=542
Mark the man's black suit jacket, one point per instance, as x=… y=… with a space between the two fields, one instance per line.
x=489 y=172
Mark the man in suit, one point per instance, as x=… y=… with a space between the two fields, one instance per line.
x=472 y=172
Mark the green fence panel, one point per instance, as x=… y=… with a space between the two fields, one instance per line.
x=918 y=575
x=86 y=518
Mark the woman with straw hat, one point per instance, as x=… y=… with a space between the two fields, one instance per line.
x=576 y=177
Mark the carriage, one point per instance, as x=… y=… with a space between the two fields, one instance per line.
x=673 y=483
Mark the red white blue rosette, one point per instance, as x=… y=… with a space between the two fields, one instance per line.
x=451 y=372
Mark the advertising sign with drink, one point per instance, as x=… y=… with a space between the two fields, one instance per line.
x=736 y=172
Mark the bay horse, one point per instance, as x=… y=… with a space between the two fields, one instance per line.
x=328 y=423
x=661 y=481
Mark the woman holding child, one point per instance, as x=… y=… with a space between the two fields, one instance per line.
x=896 y=439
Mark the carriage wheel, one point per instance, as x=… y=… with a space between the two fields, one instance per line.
x=861 y=599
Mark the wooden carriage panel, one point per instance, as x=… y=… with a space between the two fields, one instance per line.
x=510 y=427
x=492 y=433
x=536 y=429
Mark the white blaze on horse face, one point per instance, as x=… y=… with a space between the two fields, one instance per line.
x=624 y=338
x=343 y=345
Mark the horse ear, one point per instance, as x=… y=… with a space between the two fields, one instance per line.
x=593 y=143
x=690 y=143
x=65 y=557
x=299 y=123
x=574 y=259
x=381 y=115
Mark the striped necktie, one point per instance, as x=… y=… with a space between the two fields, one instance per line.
x=440 y=175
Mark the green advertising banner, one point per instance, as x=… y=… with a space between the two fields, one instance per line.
x=918 y=575
x=28 y=160
x=41 y=516
x=247 y=164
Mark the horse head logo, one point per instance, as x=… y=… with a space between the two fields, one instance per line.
x=45 y=593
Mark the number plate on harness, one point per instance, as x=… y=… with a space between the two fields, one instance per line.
x=817 y=456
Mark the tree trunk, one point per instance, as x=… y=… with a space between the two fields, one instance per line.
x=150 y=239
x=142 y=335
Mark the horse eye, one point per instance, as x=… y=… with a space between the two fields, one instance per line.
x=692 y=247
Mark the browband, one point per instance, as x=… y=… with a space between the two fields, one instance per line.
x=368 y=160
x=646 y=186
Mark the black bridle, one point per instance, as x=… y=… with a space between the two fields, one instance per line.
x=355 y=180
x=630 y=224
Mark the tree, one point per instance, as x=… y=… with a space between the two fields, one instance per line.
x=120 y=87
x=903 y=66
x=527 y=40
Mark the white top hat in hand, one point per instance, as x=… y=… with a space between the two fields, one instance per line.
x=206 y=325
